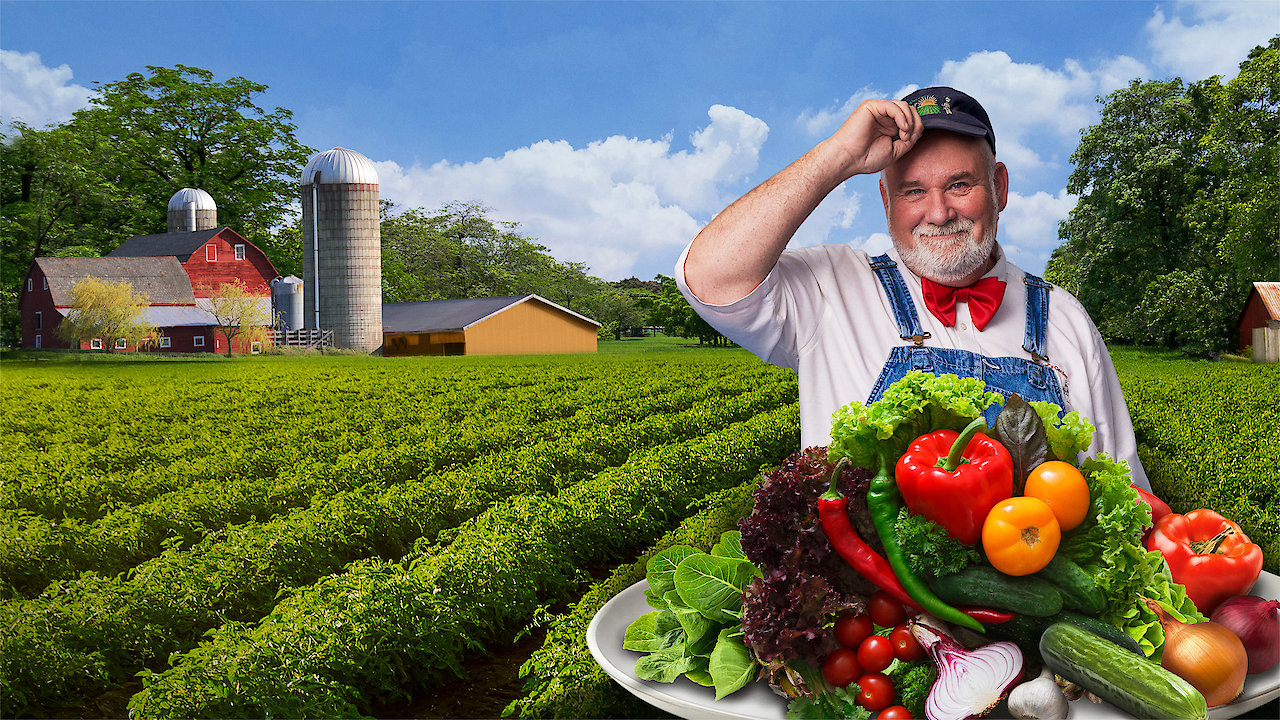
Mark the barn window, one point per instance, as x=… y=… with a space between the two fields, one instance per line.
x=39 y=320
x=37 y=342
x=211 y=253
x=239 y=252
x=95 y=344
x=255 y=347
x=30 y=284
x=198 y=341
x=121 y=344
x=45 y=282
x=165 y=341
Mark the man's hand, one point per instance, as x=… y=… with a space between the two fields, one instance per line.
x=875 y=134
x=736 y=251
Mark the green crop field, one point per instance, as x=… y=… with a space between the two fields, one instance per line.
x=326 y=536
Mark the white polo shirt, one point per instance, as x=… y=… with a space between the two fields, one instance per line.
x=822 y=312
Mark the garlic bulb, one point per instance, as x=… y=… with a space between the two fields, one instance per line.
x=1038 y=699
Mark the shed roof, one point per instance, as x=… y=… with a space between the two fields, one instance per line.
x=179 y=244
x=456 y=315
x=1269 y=292
x=161 y=279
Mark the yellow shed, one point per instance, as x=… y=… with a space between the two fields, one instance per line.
x=513 y=325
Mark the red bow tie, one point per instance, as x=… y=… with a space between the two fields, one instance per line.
x=983 y=297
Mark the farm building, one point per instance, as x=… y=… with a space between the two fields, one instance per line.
x=1259 y=322
x=178 y=272
x=513 y=325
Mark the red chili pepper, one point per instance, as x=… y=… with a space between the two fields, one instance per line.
x=833 y=514
x=987 y=616
x=1208 y=555
x=954 y=479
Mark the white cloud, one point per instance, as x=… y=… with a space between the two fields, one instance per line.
x=824 y=121
x=612 y=205
x=1029 y=227
x=1216 y=37
x=35 y=94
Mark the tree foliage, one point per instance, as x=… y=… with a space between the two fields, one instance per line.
x=1178 y=206
x=239 y=314
x=106 y=310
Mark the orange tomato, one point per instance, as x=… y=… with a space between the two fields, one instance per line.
x=1062 y=486
x=1020 y=535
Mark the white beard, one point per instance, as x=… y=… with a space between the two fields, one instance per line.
x=950 y=260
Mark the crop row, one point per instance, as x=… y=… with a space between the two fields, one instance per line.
x=360 y=637
x=36 y=551
x=96 y=631
x=125 y=451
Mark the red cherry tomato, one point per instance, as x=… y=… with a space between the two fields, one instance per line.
x=875 y=691
x=885 y=610
x=841 y=667
x=894 y=712
x=905 y=645
x=852 y=629
x=875 y=653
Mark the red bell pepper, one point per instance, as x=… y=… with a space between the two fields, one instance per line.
x=1208 y=555
x=954 y=479
x=1158 y=508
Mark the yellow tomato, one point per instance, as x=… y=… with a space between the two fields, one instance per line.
x=1062 y=486
x=1020 y=535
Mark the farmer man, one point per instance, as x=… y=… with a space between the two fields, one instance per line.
x=945 y=299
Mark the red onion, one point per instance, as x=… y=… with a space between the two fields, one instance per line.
x=1254 y=621
x=970 y=682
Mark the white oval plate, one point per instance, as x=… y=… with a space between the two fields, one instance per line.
x=687 y=699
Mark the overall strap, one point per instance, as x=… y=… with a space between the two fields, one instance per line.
x=1033 y=340
x=904 y=311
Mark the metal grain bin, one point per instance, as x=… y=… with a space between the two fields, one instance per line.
x=286 y=300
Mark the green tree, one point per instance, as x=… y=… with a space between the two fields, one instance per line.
x=106 y=310
x=239 y=314
x=1179 y=196
x=1133 y=175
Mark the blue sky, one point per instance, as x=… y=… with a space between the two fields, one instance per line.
x=612 y=131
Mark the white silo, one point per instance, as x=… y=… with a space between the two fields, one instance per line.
x=192 y=209
x=342 y=249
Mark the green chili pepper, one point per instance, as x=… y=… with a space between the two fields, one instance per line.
x=883 y=502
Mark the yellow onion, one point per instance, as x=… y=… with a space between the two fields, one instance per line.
x=1206 y=654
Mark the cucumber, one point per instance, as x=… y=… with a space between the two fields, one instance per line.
x=1097 y=627
x=987 y=587
x=1132 y=683
x=1079 y=591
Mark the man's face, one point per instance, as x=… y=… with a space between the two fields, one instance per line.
x=942 y=200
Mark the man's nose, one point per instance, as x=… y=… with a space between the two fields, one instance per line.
x=938 y=210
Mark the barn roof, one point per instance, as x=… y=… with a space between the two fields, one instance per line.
x=179 y=244
x=1269 y=292
x=456 y=315
x=161 y=279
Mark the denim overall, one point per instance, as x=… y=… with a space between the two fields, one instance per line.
x=1032 y=379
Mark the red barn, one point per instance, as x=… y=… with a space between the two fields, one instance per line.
x=176 y=270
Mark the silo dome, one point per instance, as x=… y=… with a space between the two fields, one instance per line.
x=192 y=209
x=340 y=166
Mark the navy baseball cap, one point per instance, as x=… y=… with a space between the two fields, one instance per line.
x=944 y=108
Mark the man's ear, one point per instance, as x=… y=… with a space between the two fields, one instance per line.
x=1002 y=186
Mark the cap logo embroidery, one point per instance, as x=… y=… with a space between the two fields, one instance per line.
x=946 y=106
x=927 y=105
